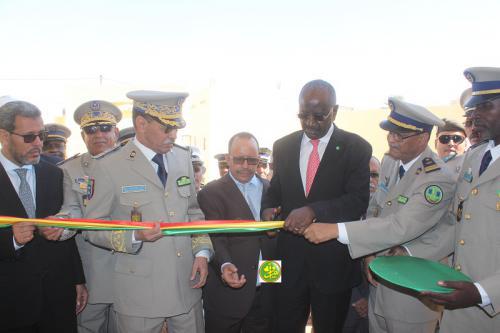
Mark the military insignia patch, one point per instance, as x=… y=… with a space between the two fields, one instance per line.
x=433 y=194
x=183 y=181
x=402 y=199
x=430 y=165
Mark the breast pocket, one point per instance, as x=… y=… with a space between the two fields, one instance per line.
x=184 y=191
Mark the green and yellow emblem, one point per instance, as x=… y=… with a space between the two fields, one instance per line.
x=183 y=181
x=433 y=194
x=269 y=271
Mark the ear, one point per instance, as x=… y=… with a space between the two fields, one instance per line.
x=4 y=136
x=83 y=135
x=335 y=108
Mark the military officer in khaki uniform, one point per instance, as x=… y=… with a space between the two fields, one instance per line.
x=97 y=120
x=415 y=188
x=474 y=234
x=156 y=278
x=55 y=144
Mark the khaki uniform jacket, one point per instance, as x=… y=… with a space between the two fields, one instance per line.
x=151 y=279
x=399 y=212
x=474 y=236
x=97 y=263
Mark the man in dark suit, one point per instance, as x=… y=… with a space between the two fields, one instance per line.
x=320 y=173
x=39 y=279
x=233 y=300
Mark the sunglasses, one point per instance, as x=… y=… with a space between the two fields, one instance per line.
x=374 y=175
x=445 y=139
x=399 y=137
x=94 y=128
x=29 y=138
x=249 y=160
x=315 y=116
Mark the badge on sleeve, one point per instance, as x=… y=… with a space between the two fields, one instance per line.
x=433 y=194
x=183 y=181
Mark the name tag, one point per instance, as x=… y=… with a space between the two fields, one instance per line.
x=134 y=188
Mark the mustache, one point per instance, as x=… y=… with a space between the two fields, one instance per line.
x=35 y=150
x=168 y=142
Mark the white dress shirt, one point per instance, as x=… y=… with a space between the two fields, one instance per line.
x=306 y=148
x=9 y=167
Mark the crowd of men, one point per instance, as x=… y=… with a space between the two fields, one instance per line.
x=340 y=205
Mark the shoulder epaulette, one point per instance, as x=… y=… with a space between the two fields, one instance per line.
x=68 y=159
x=478 y=144
x=181 y=147
x=106 y=153
x=430 y=165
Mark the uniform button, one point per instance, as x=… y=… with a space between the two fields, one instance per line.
x=254 y=267
x=467 y=216
x=166 y=194
x=461 y=242
x=475 y=191
x=179 y=254
x=171 y=213
x=461 y=198
x=389 y=203
x=458 y=267
x=132 y=271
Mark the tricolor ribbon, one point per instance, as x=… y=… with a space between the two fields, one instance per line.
x=168 y=228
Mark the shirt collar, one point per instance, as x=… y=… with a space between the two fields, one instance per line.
x=408 y=165
x=253 y=181
x=149 y=153
x=495 y=150
x=8 y=165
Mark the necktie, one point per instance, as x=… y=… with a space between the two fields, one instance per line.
x=162 y=173
x=25 y=193
x=312 y=165
x=247 y=190
x=485 y=162
x=401 y=172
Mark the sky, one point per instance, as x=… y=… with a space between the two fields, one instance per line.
x=258 y=54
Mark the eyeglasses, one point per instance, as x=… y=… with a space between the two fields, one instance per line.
x=399 y=137
x=445 y=139
x=374 y=175
x=315 y=116
x=242 y=159
x=166 y=128
x=104 y=128
x=29 y=138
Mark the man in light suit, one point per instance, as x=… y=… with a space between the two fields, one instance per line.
x=320 y=172
x=232 y=299
x=155 y=278
x=415 y=190
x=97 y=120
x=473 y=233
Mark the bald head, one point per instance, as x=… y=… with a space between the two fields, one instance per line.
x=319 y=85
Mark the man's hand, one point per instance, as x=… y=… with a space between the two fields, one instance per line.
x=81 y=297
x=51 y=233
x=366 y=262
x=23 y=232
x=149 y=235
x=397 y=251
x=200 y=266
x=321 y=232
x=299 y=219
x=361 y=307
x=230 y=276
x=270 y=214
x=464 y=295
